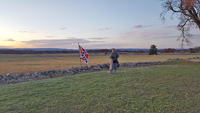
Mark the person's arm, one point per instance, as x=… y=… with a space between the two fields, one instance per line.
x=110 y=56
x=117 y=55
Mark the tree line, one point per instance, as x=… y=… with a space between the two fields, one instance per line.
x=13 y=51
x=106 y=51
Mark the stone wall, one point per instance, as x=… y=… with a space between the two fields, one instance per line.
x=15 y=78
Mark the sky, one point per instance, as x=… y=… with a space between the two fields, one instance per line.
x=94 y=24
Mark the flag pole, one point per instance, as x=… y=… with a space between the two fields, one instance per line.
x=79 y=54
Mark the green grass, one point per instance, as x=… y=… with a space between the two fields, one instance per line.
x=171 y=87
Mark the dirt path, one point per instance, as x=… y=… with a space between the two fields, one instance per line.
x=194 y=60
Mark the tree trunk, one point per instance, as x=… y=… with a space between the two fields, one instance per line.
x=197 y=21
x=198 y=24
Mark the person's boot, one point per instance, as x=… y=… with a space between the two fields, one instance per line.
x=111 y=71
x=115 y=71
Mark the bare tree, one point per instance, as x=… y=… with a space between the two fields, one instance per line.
x=187 y=11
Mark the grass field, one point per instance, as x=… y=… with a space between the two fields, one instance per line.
x=169 y=88
x=31 y=63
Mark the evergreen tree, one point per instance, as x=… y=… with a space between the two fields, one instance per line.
x=153 y=50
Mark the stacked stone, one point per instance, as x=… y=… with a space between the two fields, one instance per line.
x=15 y=78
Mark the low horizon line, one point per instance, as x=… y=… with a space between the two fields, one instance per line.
x=95 y=48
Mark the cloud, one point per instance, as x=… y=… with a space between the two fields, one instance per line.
x=5 y=47
x=58 y=43
x=109 y=45
x=148 y=34
x=128 y=35
x=107 y=28
x=157 y=34
x=141 y=26
x=51 y=36
x=196 y=35
x=165 y=37
x=98 y=38
x=26 y=31
x=173 y=26
x=63 y=28
x=11 y=40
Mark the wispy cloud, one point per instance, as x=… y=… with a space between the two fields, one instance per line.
x=164 y=37
x=26 y=31
x=58 y=43
x=63 y=28
x=147 y=34
x=107 y=28
x=10 y=40
x=98 y=38
x=108 y=45
x=129 y=35
x=141 y=26
x=156 y=34
x=71 y=37
x=3 y=47
x=51 y=36
x=173 y=26
x=196 y=35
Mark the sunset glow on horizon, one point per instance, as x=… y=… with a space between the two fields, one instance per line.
x=94 y=24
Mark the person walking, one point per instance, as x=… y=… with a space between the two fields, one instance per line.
x=113 y=62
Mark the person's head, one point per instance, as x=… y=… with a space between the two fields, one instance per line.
x=113 y=49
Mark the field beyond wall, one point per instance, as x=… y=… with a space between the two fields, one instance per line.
x=28 y=63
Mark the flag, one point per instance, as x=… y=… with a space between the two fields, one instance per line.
x=83 y=54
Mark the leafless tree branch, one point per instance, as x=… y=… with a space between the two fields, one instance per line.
x=188 y=12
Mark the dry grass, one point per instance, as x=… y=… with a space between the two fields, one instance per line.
x=27 y=63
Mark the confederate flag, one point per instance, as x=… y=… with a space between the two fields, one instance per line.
x=83 y=54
